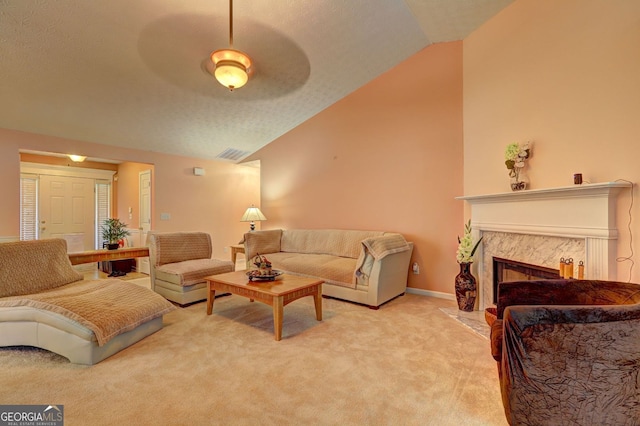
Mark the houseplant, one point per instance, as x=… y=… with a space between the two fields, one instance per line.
x=515 y=156
x=465 y=282
x=113 y=230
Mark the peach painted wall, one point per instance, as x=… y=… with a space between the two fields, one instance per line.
x=212 y=203
x=565 y=74
x=387 y=157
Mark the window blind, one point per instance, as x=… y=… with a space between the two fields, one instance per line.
x=28 y=207
x=103 y=207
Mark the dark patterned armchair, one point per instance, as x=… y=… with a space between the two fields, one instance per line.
x=568 y=351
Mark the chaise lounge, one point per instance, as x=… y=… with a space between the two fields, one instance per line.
x=45 y=303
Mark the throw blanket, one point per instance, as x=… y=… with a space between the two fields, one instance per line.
x=375 y=249
x=381 y=247
x=106 y=307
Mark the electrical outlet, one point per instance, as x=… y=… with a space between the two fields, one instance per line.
x=165 y=216
x=225 y=249
x=416 y=268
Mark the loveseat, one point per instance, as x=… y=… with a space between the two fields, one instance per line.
x=45 y=303
x=179 y=262
x=366 y=267
x=568 y=351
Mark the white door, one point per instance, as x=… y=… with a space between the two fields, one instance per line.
x=145 y=216
x=67 y=210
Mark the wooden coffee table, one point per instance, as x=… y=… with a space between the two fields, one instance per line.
x=278 y=293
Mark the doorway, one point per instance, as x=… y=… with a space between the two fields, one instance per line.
x=49 y=188
x=62 y=203
x=144 y=199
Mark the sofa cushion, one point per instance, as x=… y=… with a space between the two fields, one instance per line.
x=343 y=243
x=192 y=272
x=33 y=266
x=180 y=246
x=332 y=269
x=263 y=242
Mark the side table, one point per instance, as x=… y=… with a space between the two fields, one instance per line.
x=235 y=249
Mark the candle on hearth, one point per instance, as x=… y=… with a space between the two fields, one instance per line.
x=570 y=268
x=581 y=270
x=561 y=267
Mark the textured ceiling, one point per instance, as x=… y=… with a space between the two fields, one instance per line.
x=132 y=73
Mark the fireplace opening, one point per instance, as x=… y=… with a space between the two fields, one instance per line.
x=511 y=270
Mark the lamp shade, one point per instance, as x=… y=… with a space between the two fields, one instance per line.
x=252 y=214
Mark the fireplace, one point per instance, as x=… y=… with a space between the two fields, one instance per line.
x=540 y=226
x=511 y=270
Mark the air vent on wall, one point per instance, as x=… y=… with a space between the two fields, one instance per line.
x=231 y=154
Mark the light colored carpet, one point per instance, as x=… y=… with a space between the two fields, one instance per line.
x=144 y=282
x=408 y=363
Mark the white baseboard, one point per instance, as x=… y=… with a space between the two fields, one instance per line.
x=431 y=293
x=8 y=239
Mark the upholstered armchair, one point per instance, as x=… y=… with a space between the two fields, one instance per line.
x=568 y=351
x=179 y=262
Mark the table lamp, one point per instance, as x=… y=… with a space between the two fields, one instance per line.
x=251 y=215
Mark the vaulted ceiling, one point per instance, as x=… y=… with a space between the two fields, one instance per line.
x=132 y=73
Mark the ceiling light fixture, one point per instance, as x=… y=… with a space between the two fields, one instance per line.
x=232 y=67
x=77 y=158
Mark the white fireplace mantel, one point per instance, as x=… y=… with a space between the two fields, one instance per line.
x=585 y=211
x=572 y=211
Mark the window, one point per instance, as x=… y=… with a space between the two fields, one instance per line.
x=103 y=208
x=28 y=207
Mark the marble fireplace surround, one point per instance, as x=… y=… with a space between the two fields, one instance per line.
x=542 y=225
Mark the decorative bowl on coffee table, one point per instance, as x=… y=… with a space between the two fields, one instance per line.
x=258 y=275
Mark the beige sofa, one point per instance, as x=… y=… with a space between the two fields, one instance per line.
x=45 y=303
x=179 y=261
x=367 y=267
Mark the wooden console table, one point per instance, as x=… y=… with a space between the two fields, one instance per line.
x=104 y=255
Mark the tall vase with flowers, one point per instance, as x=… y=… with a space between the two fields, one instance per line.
x=515 y=157
x=465 y=282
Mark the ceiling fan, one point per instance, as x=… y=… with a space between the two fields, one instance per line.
x=177 y=48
